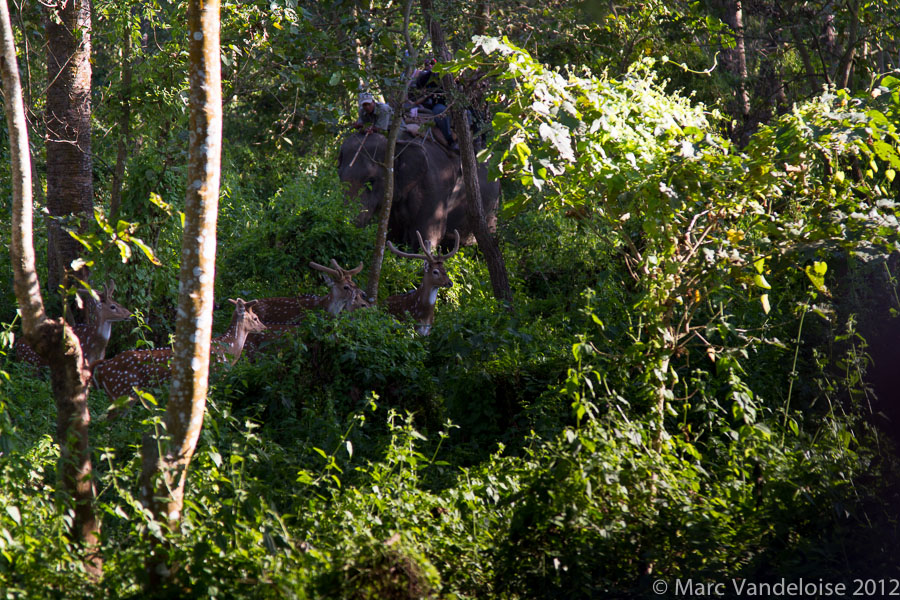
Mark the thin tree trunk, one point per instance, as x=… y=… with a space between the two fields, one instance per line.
x=53 y=340
x=845 y=65
x=736 y=62
x=390 y=156
x=806 y=59
x=384 y=216
x=741 y=51
x=482 y=16
x=70 y=188
x=163 y=477
x=474 y=207
x=124 y=141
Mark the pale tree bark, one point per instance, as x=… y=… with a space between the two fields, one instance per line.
x=474 y=208
x=52 y=339
x=387 y=202
x=163 y=477
x=70 y=188
x=741 y=57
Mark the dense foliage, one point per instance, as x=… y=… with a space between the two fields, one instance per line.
x=681 y=390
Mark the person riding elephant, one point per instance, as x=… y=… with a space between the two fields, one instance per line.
x=428 y=92
x=429 y=192
x=375 y=117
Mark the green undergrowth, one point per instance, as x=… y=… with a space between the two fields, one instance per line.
x=651 y=405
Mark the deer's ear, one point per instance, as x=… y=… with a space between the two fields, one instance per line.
x=250 y=304
x=233 y=301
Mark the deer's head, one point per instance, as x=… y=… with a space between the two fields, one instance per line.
x=107 y=310
x=343 y=294
x=244 y=318
x=434 y=275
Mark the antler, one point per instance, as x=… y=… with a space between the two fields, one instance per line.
x=427 y=252
x=334 y=273
x=344 y=272
x=455 y=247
x=427 y=256
x=241 y=303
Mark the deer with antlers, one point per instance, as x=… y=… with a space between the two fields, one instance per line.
x=281 y=315
x=344 y=294
x=120 y=375
x=93 y=336
x=419 y=303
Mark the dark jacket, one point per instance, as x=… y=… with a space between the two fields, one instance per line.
x=427 y=83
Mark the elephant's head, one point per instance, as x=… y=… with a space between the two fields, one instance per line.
x=360 y=166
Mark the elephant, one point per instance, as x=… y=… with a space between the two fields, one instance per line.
x=429 y=191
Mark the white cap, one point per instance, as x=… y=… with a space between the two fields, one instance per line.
x=365 y=98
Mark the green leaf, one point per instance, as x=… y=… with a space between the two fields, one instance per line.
x=760 y=281
x=502 y=120
x=890 y=82
x=759 y=264
x=816 y=274
x=147 y=250
x=157 y=200
x=764 y=299
x=13 y=511
x=764 y=429
x=86 y=241
x=820 y=267
x=523 y=151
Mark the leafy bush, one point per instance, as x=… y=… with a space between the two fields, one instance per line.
x=265 y=248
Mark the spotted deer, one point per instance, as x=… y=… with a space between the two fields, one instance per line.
x=283 y=314
x=419 y=303
x=93 y=336
x=344 y=294
x=120 y=375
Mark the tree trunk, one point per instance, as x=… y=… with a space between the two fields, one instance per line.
x=163 y=477
x=736 y=61
x=384 y=216
x=482 y=16
x=122 y=144
x=845 y=65
x=53 y=340
x=486 y=241
x=390 y=156
x=70 y=188
x=811 y=73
